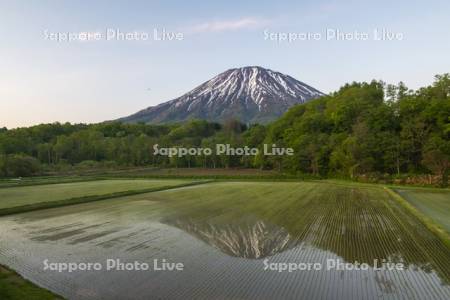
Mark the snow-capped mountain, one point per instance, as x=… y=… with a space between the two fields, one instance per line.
x=249 y=94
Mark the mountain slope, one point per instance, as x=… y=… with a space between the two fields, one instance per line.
x=250 y=94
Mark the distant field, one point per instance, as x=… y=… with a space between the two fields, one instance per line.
x=434 y=204
x=223 y=232
x=13 y=182
x=175 y=172
x=18 y=196
x=196 y=172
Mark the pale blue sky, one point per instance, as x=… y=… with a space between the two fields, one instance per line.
x=45 y=81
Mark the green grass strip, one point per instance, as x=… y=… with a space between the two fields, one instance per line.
x=15 y=287
x=85 y=199
x=429 y=223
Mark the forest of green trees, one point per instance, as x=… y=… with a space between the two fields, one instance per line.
x=364 y=128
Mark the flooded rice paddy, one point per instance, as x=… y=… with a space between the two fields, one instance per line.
x=433 y=204
x=224 y=234
x=18 y=196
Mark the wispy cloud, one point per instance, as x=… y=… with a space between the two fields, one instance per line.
x=227 y=25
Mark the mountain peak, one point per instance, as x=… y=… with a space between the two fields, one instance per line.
x=251 y=94
x=251 y=68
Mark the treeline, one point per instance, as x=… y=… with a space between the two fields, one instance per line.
x=364 y=128
x=369 y=128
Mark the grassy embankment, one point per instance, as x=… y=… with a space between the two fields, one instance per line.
x=15 y=287
x=432 y=209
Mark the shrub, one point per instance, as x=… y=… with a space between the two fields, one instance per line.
x=18 y=165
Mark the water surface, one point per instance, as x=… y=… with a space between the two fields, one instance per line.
x=223 y=233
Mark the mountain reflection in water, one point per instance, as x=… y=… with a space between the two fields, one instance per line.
x=251 y=239
x=361 y=230
x=222 y=233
